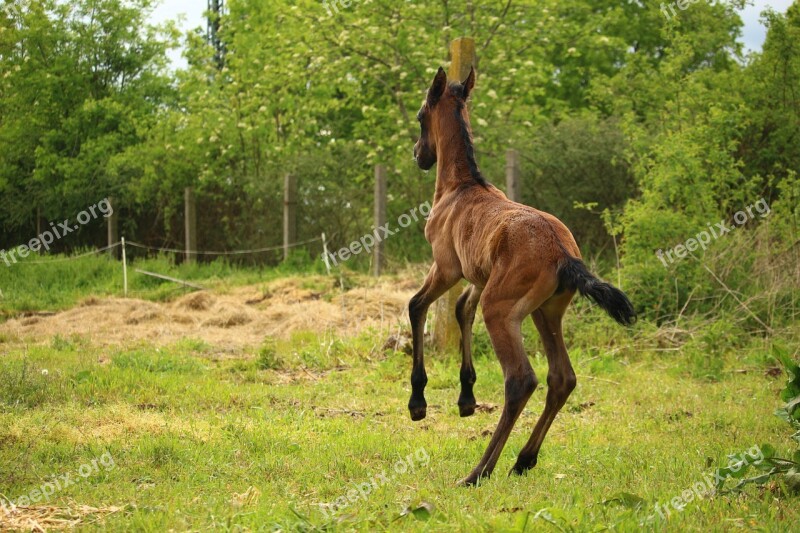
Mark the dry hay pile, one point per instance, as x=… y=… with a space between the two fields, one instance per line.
x=243 y=317
x=47 y=517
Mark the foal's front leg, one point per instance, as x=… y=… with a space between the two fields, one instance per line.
x=466 y=307
x=436 y=283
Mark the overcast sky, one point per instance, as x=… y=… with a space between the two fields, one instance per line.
x=192 y=12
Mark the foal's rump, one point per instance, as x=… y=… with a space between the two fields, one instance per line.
x=551 y=243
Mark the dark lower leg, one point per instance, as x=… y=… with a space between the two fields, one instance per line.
x=417 y=311
x=520 y=382
x=466 y=400
x=435 y=285
x=560 y=383
x=466 y=308
x=529 y=455
x=518 y=390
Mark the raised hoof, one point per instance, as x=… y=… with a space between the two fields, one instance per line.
x=466 y=410
x=418 y=413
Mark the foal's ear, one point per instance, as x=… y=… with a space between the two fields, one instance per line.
x=469 y=83
x=437 y=88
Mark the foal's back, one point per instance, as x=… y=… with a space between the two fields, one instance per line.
x=489 y=230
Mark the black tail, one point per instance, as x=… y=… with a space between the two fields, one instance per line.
x=573 y=275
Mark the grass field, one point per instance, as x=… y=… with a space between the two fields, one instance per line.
x=311 y=432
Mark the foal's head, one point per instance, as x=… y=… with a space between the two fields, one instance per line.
x=442 y=115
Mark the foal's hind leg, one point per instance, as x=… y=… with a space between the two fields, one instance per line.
x=561 y=378
x=503 y=315
x=466 y=307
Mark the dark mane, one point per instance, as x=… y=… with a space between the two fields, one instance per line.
x=457 y=90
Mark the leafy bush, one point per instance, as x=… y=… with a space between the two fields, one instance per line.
x=770 y=466
x=580 y=159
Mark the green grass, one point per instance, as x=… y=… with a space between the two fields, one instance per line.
x=269 y=438
x=279 y=436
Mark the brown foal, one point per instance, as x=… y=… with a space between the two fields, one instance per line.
x=520 y=262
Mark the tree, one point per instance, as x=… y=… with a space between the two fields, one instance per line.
x=80 y=82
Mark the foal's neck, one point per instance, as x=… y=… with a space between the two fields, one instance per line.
x=456 y=166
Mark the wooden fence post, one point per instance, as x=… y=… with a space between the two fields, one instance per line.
x=39 y=226
x=446 y=333
x=190 y=221
x=289 y=214
x=513 y=185
x=112 y=224
x=380 y=217
x=462 y=55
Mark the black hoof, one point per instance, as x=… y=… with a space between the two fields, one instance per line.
x=466 y=403
x=472 y=480
x=466 y=410
x=518 y=470
x=522 y=466
x=418 y=412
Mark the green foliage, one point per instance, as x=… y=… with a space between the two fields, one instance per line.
x=80 y=83
x=156 y=361
x=766 y=462
x=578 y=160
x=56 y=283
x=602 y=99
x=700 y=163
x=707 y=349
x=775 y=106
x=62 y=344
x=481 y=343
x=790 y=412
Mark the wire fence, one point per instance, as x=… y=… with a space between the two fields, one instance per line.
x=124 y=244
x=70 y=258
x=170 y=250
x=229 y=252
